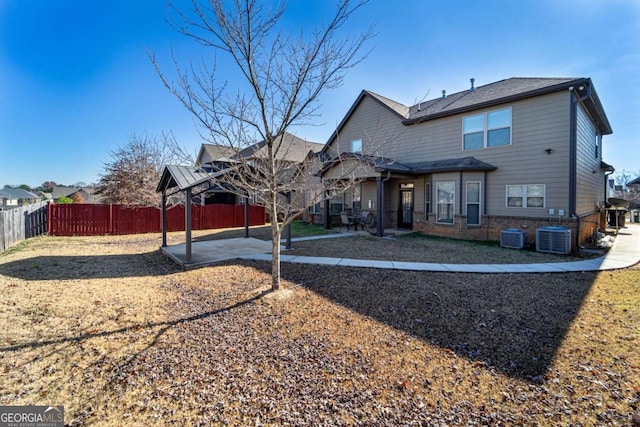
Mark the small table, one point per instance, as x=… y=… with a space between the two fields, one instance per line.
x=356 y=220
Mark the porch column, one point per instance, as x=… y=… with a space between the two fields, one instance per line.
x=163 y=214
x=327 y=217
x=380 y=207
x=246 y=217
x=187 y=224
x=288 y=230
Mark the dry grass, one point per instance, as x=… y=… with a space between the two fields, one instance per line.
x=115 y=333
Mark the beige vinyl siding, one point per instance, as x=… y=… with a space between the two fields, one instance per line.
x=536 y=124
x=589 y=177
x=377 y=127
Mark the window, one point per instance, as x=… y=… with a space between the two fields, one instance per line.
x=356 y=146
x=473 y=203
x=526 y=196
x=446 y=201
x=337 y=204
x=491 y=129
x=598 y=141
x=356 y=199
x=314 y=208
x=427 y=200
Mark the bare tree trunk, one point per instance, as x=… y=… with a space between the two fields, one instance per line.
x=275 y=249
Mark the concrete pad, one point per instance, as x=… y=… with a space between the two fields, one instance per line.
x=418 y=266
x=368 y=263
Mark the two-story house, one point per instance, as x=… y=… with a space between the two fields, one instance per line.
x=517 y=153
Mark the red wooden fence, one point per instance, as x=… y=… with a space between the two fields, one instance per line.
x=96 y=220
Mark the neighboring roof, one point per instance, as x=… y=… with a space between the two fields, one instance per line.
x=289 y=148
x=17 y=193
x=215 y=153
x=381 y=164
x=64 y=191
x=634 y=182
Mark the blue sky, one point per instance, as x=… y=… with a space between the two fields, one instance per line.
x=76 y=81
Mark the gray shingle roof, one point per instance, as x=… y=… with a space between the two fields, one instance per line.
x=17 y=193
x=509 y=90
x=290 y=148
x=182 y=177
x=451 y=165
x=382 y=164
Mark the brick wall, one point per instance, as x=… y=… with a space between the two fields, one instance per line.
x=490 y=227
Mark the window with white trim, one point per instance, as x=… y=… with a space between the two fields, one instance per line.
x=526 y=196
x=490 y=129
x=473 y=202
x=356 y=146
x=445 y=200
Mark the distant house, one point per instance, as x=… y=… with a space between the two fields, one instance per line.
x=13 y=197
x=212 y=158
x=78 y=194
x=517 y=153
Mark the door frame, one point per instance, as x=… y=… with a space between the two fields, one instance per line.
x=404 y=188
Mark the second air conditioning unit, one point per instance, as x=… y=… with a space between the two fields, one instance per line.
x=513 y=238
x=555 y=240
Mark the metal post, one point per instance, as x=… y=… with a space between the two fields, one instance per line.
x=187 y=225
x=246 y=217
x=327 y=217
x=380 y=207
x=164 y=219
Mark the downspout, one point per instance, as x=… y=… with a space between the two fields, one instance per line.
x=573 y=150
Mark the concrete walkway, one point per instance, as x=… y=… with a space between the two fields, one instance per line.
x=625 y=252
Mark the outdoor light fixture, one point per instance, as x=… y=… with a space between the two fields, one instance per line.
x=549 y=151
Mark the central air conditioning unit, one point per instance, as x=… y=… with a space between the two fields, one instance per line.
x=555 y=240
x=513 y=238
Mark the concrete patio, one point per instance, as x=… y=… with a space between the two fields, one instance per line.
x=625 y=252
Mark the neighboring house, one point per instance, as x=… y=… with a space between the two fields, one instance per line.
x=78 y=194
x=517 y=153
x=212 y=158
x=13 y=197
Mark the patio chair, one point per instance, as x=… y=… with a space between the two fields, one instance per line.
x=345 y=221
x=370 y=223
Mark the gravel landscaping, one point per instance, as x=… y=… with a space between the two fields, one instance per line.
x=118 y=335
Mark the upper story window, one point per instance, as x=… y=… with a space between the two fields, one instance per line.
x=356 y=146
x=491 y=129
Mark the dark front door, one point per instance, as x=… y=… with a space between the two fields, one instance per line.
x=405 y=212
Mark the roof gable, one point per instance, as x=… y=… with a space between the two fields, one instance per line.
x=398 y=109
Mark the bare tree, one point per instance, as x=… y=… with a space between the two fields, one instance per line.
x=131 y=177
x=631 y=193
x=283 y=75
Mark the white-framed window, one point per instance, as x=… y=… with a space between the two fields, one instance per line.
x=490 y=129
x=526 y=196
x=445 y=199
x=356 y=146
x=473 y=202
x=355 y=198
x=427 y=199
x=315 y=207
x=336 y=205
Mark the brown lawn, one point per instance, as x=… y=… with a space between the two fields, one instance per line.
x=119 y=336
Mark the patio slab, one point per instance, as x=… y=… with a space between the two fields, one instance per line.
x=625 y=252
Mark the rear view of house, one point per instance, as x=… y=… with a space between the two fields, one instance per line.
x=518 y=153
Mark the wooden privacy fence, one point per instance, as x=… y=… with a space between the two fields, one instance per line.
x=22 y=222
x=96 y=220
